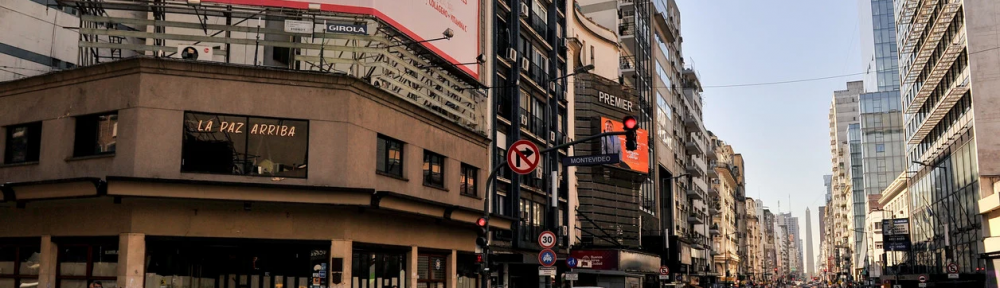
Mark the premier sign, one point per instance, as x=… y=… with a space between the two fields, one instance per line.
x=614 y=101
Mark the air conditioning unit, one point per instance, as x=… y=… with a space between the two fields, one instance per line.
x=552 y=136
x=524 y=10
x=512 y=54
x=525 y=64
x=194 y=52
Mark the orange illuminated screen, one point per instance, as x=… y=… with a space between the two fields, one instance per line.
x=637 y=160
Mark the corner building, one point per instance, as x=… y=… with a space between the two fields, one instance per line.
x=232 y=176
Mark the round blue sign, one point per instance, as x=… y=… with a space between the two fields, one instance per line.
x=547 y=257
x=571 y=262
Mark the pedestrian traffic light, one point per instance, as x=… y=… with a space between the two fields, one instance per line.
x=481 y=240
x=630 y=125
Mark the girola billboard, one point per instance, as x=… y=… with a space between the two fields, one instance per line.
x=419 y=19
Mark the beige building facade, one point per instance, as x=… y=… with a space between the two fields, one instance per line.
x=152 y=173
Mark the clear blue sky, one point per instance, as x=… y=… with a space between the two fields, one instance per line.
x=781 y=130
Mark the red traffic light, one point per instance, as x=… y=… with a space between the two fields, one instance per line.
x=479 y=258
x=629 y=122
x=481 y=222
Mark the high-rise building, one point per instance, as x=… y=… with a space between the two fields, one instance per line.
x=40 y=38
x=843 y=113
x=725 y=227
x=879 y=134
x=810 y=261
x=948 y=61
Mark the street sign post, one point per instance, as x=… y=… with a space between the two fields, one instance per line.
x=664 y=273
x=592 y=160
x=952 y=271
x=571 y=262
x=546 y=271
x=523 y=157
x=547 y=240
x=547 y=257
x=922 y=278
x=572 y=276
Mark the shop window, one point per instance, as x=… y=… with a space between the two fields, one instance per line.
x=19 y=265
x=470 y=176
x=23 y=143
x=81 y=265
x=244 y=145
x=431 y=271
x=96 y=134
x=390 y=156
x=433 y=169
x=236 y=263
x=371 y=269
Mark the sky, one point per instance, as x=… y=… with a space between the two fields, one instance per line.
x=782 y=131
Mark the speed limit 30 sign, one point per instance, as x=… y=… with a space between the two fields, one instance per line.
x=547 y=240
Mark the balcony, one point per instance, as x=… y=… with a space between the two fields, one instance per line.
x=696 y=217
x=942 y=107
x=626 y=64
x=930 y=42
x=538 y=75
x=713 y=192
x=533 y=124
x=692 y=147
x=694 y=170
x=690 y=122
x=937 y=73
x=714 y=230
x=695 y=193
x=627 y=27
x=539 y=25
x=923 y=12
x=710 y=172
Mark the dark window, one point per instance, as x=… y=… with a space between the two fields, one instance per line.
x=19 y=265
x=433 y=169
x=431 y=271
x=374 y=268
x=469 y=177
x=96 y=134
x=390 y=156
x=23 y=143
x=879 y=147
x=83 y=264
x=243 y=145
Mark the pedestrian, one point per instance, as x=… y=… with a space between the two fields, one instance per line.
x=96 y=284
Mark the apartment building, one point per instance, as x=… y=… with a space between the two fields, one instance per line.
x=726 y=243
x=947 y=59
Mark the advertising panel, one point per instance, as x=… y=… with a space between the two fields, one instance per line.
x=596 y=259
x=418 y=19
x=637 y=160
x=896 y=234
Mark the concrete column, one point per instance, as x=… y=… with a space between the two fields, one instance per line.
x=411 y=266
x=452 y=268
x=342 y=249
x=131 y=260
x=47 y=263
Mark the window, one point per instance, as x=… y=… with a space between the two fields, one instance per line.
x=19 y=265
x=23 y=143
x=879 y=147
x=244 y=145
x=431 y=271
x=96 y=134
x=433 y=169
x=469 y=176
x=390 y=156
x=83 y=264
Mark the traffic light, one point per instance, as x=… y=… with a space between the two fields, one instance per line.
x=630 y=125
x=481 y=240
